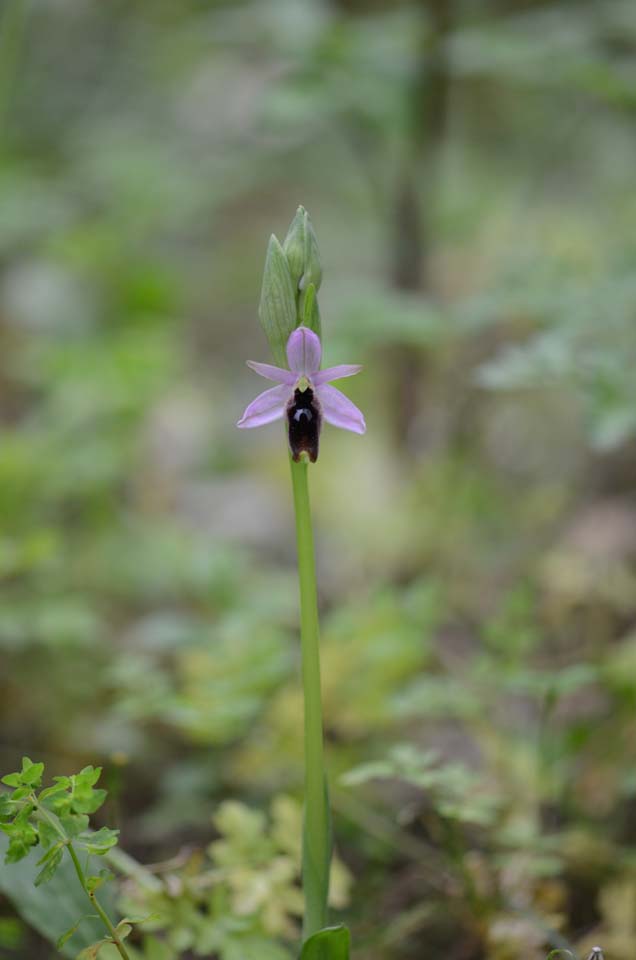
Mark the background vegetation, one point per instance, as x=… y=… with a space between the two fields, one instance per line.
x=469 y=168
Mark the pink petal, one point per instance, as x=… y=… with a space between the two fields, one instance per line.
x=277 y=374
x=267 y=406
x=336 y=373
x=340 y=411
x=304 y=351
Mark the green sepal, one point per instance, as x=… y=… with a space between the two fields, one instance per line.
x=332 y=943
x=309 y=311
x=277 y=308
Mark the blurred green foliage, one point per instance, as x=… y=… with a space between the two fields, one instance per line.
x=469 y=172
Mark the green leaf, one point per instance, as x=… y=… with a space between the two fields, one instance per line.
x=74 y=823
x=22 y=835
x=12 y=779
x=52 y=791
x=7 y=806
x=277 y=309
x=31 y=772
x=48 y=834
x=90 y=953
x=332 y=943
x=62 y=782
x=135 y=921
x=123 y=929
x=66 y=936
x=84 y=799
x=21 y=793
x=53 y=906
x=50 y=861
x=93 y=883
x=18 y=849
x=99 y=842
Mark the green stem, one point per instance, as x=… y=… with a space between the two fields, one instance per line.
x=317 y=826
x=82 y=878
x=93 y=899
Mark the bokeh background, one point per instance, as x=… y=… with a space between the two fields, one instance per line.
x=469 y=169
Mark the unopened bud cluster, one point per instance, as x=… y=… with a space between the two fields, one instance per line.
x=291 y=280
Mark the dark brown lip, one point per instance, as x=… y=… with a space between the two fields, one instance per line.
x=304 y=421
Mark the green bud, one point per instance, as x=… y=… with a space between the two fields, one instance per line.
x=301 y=249
x=308 y=310
x=313 y=266
x=277 y=309
x=294 y=246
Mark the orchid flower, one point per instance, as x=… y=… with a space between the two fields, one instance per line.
x=304 y=395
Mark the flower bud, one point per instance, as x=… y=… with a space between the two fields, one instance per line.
x=308 y=310
x=301 y=249
x=277 y=308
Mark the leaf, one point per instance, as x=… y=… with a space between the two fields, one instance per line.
x=123 y=929
x=277 y=308
x=134 y=921
x=74 y=823
x=21 y=793
x=332 y=943
x=7 y=806
x=90 y=953
x=84 y=799
x=22 y=836
x=52 y=791
x=99 y=842
x=95 y=882
x=66 y=936
x=31 y=772
x=12 y=779
x=18 y=849
x=54 y=906
x=51 y=861
x=48 y=834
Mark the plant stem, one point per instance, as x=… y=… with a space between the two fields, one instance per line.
x=82 y=878
x=317 y=826
x=93 y=899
